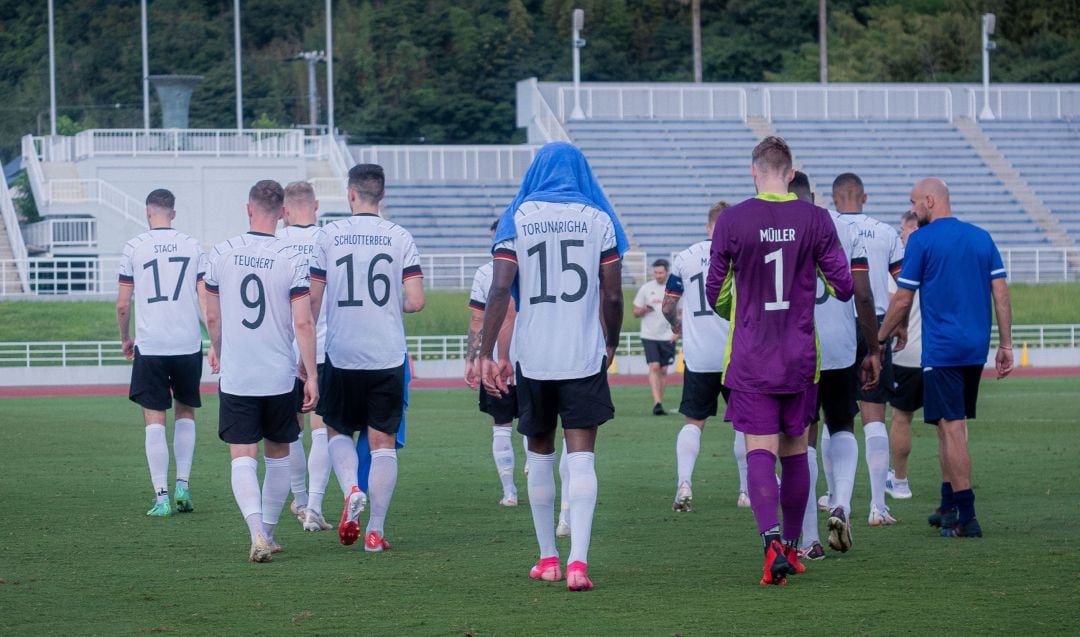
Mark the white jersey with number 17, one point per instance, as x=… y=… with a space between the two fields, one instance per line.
x=704 y=333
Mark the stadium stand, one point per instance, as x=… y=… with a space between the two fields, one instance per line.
x=448 y=216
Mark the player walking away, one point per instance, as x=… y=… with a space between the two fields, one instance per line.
x=704 y=341
x=886 y=256
x=907 y=396
x=299 y=214
x=958 y=271
x=257 y=305
x=562 y=242
x=369 y=269
x=766 y=253
x=656 y=336
x=834 y=321
x=162 y=269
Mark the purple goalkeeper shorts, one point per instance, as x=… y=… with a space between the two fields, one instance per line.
x=771 y=414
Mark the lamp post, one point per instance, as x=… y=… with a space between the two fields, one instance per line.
x=145 y=71
x=988 y=24
x=577 y=43
x=52 y=73
x=239 y=79
x=329 y=67
x=312 y=58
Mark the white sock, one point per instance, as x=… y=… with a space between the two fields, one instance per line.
x=826 y=460
x=845 y=458
x=245 y=488
x=342 y=451
x=582 y=503
x=381 y=487
x=157 y=457
x=740 y=459
x=541 y=484
x=298 y=472
x=687 y=446
x=275 y=490
x=183 y=442
x=809 y=521
x=502 y=449
x=318 y=469
x=877 y=461
x=564 y=486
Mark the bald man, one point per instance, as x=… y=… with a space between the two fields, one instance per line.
x=957 y=270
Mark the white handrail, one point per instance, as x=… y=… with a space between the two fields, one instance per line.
x=818 y=103
x=97 y=191
x=34 y=173
x=466 y=162
x=134 y=142
x=550 y=125
x=659 y=102
x=1027 y=103
x=14 y=233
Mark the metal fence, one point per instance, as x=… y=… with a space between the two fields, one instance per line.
x=480 y=163
x=1035 y=103
x=53 y=234
x=1041 y=265
x=655 y=101
x=816 y=102
x=134 y=142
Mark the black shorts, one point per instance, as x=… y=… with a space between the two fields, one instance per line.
x=699 y=394
x=908 y=388
x=298 y=387
x=245 y=420
x=950 y=393
x=582 y=403
x=154 y=377
x=662 y=352
x=354 y=399
x=502 y=410
x=884 y=389
x=837 y=392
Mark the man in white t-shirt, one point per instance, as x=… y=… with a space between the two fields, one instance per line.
x=656 y=336
x=162 y=271
x=257 y=304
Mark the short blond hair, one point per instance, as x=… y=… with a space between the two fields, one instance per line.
x=715 y=211
x=300 y=192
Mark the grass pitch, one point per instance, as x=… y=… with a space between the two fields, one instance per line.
x=78 y=556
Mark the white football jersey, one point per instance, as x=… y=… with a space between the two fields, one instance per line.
x=558 y=249
x=365 y=260
x=885 y=252
x=165 y=266
x=833 y=319
x=911 y=355
x=256 y=278
x=302 y=239
x=704 y=333
x=478 y=294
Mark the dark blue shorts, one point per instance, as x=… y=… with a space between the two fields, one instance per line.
x=950 y=392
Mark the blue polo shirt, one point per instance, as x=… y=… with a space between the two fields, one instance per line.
x=951 y=264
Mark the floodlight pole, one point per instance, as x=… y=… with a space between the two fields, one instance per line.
x=329 y=67
x=577 y=43
x=312 y=58
x=145 y=72
x=52 y=72
x=988 y=25
x=239 y=79
x=823 y=42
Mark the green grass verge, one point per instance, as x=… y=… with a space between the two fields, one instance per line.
x=79 y=557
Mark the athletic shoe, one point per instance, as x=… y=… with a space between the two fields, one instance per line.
x=657 y=410
x=839 y=530
x=274 y=546
x=576 y=577
x=349 y=527
x=791 y=554
x=547 y=569
x=314 y=521
x=815 y=552
x=183 y=499
x=683 y=498
x=509 y=501
x=880 y=518
x=563 y=529
x=823 y=503
x=744 y=500
x=375 y=543
x=896 y=489
x=969 y=529
x=776 y=567
x=260 y=549
x=945 y=520
x=160 y=509
x=301 y=515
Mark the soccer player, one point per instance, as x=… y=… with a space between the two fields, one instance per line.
x=907 y=396
x=957 y=269
x=369 y=270
x=561 y=241
x=766 y=253
x=886 y=256
x=704 y=340
x=656 y=336
x=834 y=321
x=299 y=214
x=162 y=270
x=257 y=304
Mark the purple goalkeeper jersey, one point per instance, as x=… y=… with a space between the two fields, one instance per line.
x=766 y=255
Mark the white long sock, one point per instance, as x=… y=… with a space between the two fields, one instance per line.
x=845 y=458
x=740 y=459
x=564 y=486
x=245 y=488
x=826 y=460
x=318 y=469
x=582 y=503
x=687 y=447
x=298 y=472
x=157 y=457
x=381 y=487
x=275 y=490
x=502 y=450
x=541 y=484
x=183 y=442
x=810 y=522
x=342 y=452
x=877 y=461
